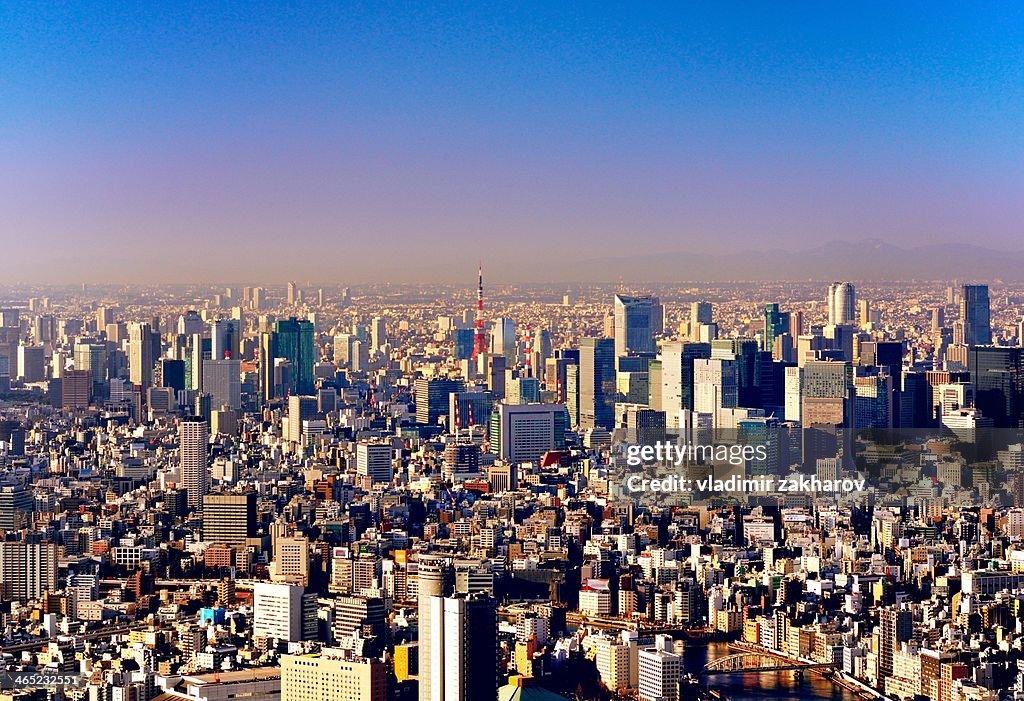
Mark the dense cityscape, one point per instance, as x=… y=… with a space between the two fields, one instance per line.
x=387 y=492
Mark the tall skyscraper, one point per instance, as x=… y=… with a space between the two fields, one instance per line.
x=170 y=373
x=294 y=342
x=776 y=324
x=503 y=338
x=597 y=390
x=463 y=340
x=896 y=626
x=701 y=313
x=31 y=363
x=267 y=355
x=997 y=373
x=827 y=410
x=715 y=386
x=76 y=389
x=226 y=337
x=827 y=392
x=842 y=303
x=873 y=404
x=378 y=333
x=436 y=579
x=637 y=321
x=92 y=356
x=432 y=398
x=191 y=323
x=887 y=355
x=300 y=408
x=194 y=439
x=975 y=315
x=458 y=645
x=222 y=380
x=677 y=377
x=199 y=351
x=140 y=355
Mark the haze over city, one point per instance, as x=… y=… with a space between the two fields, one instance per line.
x=511 y=352
x=361 y=141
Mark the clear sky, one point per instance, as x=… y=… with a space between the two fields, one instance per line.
x=356 y=141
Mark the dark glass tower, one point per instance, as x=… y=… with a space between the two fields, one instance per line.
x=974 y=313
x=996 y=374
x=888 y=355
x=597 y=383
x=294 y=342
x=776 y=323
x=637 y=321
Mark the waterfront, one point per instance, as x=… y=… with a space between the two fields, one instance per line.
x=766 y=686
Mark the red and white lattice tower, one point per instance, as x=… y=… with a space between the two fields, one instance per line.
x=479 y=342
x=528 y=340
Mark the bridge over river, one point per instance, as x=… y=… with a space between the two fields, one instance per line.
x=760 y=662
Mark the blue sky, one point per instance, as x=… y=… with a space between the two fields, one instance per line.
x=360 y=139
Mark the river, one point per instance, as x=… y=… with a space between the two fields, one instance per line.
x=767 y=686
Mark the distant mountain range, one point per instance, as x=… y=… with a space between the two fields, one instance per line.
x=868 y=260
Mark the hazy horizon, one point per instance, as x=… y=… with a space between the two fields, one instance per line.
x=172 y=144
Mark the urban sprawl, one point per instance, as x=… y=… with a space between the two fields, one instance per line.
x=392 y=492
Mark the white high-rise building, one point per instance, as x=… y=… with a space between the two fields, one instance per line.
x=27 y=570
x=462 y=648
x=300 y=409
x=373 y=460
x=378 y=333
x=360 y=359
x=225 y=339
x=434 y=578
x=524 y=432
x=283 y=612
x=1015 y=523
x=140 y=355
x=842 y=303
x=343 y=349
x=715 y=386
x=31 y=363
x=793 y=388
x=503 y=337
x=672 y=382
x=660 y=671
x=194 y=439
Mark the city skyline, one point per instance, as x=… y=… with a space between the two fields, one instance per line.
x=280 y=491
x=511 y=352
x=362 y=143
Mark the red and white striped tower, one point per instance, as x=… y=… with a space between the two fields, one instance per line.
x=479 y=343
x=528 y=340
